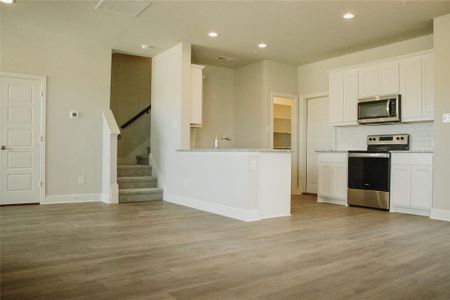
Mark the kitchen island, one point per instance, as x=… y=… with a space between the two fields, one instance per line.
x=245 y=184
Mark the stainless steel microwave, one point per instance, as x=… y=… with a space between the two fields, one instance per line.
x=380 y=109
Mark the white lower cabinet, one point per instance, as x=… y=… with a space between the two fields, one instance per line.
x=332 y=181
x=412 y=183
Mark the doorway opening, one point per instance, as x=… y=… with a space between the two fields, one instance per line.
x=131 y=105
x=284 y=136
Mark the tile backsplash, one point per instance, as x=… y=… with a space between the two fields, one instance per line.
x=355 y=137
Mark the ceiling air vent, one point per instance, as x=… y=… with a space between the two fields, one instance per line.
x=132 y=8
x=225 y=58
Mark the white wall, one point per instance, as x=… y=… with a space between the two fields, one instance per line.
x=218 y=108
x=169 y=125
x=441 y=183
x=254 y=85
x=248 y=106
x=77 y=63
x=225 y=183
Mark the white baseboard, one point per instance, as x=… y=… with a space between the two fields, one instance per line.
x=246 y=215
x=440 y=214
x=409 y=210
x=113 y=196
x=75 y=198
x=322 y=199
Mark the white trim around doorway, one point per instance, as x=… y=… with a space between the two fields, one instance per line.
x=294 y=130
x=303 y=115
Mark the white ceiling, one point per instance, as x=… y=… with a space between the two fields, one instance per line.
x=296 y=32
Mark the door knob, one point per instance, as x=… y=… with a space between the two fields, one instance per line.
x=3 y=147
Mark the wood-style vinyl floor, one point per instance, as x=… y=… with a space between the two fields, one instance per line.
x=160 y=250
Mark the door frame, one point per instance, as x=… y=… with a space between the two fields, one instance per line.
x=42 y=126
x=303 y=129
x=294 y=126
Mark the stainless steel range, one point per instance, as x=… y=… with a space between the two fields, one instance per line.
x=369 y=171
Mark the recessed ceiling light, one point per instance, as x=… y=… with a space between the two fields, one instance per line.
x=145 y=46
x=262 y=45
x=7 y=1
x=348 y=16
x=213 y=34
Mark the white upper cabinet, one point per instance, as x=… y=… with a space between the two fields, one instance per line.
x=369 y=81
x=411 y=89
x=196 y=101
x=416 y=88
x=410 y=76
x=350 y=97
x=388 y=78
x=343 y=98
x=427 y=87
x=336 y=98
x=378 y=80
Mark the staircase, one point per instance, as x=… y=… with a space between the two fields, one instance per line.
x=136 y=184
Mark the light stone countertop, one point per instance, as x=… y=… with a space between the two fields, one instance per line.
x=234 y=150
x=331 y=151
x=392 y=151
x=412 y=151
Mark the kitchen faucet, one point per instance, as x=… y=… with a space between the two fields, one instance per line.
x=220 y=138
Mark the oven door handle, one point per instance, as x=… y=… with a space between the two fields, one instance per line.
x=374 y=155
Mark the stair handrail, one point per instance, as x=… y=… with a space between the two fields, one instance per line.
x=137 y=116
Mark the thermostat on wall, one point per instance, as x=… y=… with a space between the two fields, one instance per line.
x=74 y=115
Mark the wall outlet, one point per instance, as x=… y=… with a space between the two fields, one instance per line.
x=81 y=180
x=446 y=118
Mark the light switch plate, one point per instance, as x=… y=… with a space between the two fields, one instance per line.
x=81 y=180
x=74 y=115
x=446 y=118
x=253 y=164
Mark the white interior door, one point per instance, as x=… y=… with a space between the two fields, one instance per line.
x=20 y=121
x=319 y=136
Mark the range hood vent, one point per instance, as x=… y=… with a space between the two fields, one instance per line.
x=132 y=8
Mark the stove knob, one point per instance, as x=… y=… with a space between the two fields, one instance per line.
x=402 y=138
x=398 y=138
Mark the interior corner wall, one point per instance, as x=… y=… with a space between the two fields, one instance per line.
x=254 y=85
x=441 y=178
x=77 y=66
x=248 y=106
x=218 y=108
